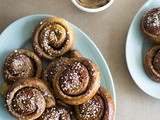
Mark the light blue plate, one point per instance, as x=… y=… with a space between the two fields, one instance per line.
x=19 y=35
x=136 y=48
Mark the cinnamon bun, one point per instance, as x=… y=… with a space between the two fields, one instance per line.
x=21 y=64
x=152 y=63
x=77 y=82
x=53 y=37
x=100 y=107
x=150 y=25
x=28 y=98
x=55 y=113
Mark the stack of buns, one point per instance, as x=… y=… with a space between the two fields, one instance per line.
x=68 y=88
x=150 y=27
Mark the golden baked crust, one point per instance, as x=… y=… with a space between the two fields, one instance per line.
x=61 y=111
x=21 y=64
x=55 y=113
x=4 y=88
x=75 y=53
x=52 y=68
x=151 y=63
x=53 y=37
x=100 y=107
x=28 y=98
x=77 y=82
x=150 y=25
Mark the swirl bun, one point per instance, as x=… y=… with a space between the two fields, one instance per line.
x=150 y=25
x=100 y=107
x=77 y=82
x=152 y=63
x=53 y=37
x=21 y=64
x=27 y=98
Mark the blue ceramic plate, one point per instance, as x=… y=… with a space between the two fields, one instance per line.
x=136 y=48
x=19 y=35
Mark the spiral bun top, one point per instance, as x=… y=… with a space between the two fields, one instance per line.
x=21 y=64
x=53 y=37
x=77 y=82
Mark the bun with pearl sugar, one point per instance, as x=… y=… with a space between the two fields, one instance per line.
x=150 y=25
x=53 y=37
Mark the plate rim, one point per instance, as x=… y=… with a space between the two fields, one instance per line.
x=127 y=42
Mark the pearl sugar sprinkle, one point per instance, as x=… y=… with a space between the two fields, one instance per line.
x=153 y=19
x=90 y=109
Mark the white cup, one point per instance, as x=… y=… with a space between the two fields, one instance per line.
x=92 y=10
